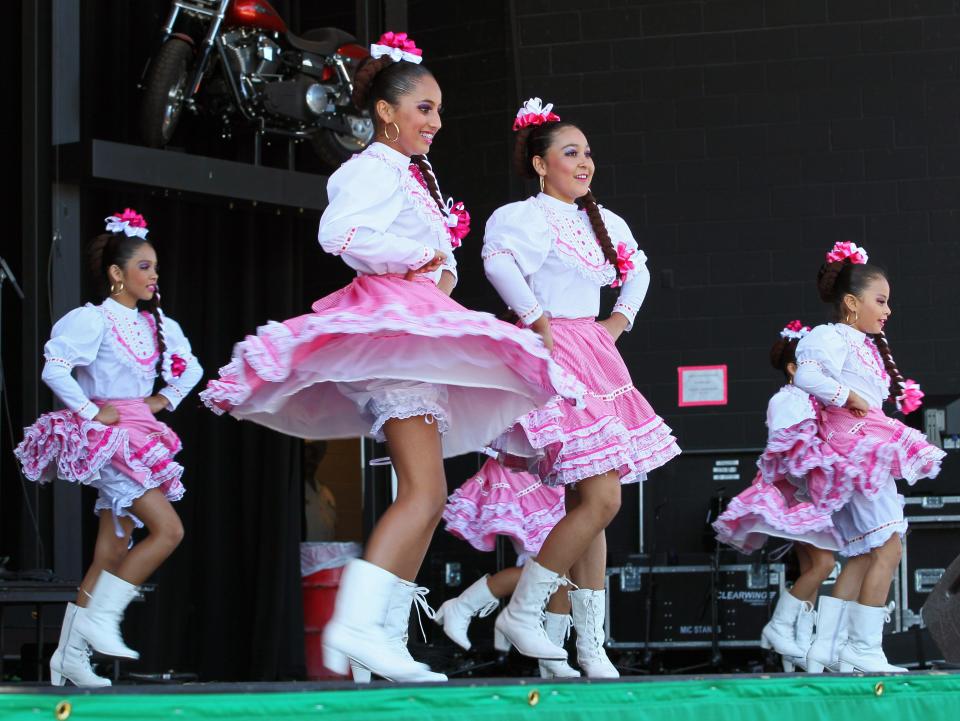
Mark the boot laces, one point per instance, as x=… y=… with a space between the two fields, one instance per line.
x=554 y=587
x=488 y=608
x=421 y=604
x=888 y=611
x=593 y=638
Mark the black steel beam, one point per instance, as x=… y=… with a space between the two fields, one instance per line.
x=207 y=176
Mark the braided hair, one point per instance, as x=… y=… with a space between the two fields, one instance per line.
x=535 y=140
x=840 y=278
x=381 y=78
x=109 y=249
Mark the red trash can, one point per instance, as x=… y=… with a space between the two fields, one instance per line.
x=319 y=598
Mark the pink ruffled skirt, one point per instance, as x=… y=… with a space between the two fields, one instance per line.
x=875 y=451
x=386 y=347
x=777 y=510
x=615 y=430
x=781 y=502
x=498 y=502
x=123 y=460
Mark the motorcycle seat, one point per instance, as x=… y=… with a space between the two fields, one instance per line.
x=321 y=41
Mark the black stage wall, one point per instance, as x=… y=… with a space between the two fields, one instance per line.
x=739 y=138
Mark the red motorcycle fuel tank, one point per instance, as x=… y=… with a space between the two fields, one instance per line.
x=254 y=14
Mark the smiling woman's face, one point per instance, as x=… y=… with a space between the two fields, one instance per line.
x=416 y=114
x=567 y=167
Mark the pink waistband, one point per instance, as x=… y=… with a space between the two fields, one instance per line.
x=417 y=278
x=573 y=321
x=118 y=402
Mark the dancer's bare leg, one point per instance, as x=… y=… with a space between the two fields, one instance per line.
x=107 y=554
x=165 y=533
x=599 y=501
x=401 y=537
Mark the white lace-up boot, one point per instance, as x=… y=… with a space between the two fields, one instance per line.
x=357 y=632
x=589 y=609
x=99 y=625
x=456 y=613
x=520 y=624
x=864 y=648
x=71 y=661
x=557 y=626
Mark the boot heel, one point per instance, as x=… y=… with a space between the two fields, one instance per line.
x=844 y=667
x=335 y=661
x=500 y=642
x=814 y=666
x=56 y=678
x=360 y=674
x=788 y=665
x=764 y=643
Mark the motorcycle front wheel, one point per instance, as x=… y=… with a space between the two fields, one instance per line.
x=334 y=148
x=163 y=93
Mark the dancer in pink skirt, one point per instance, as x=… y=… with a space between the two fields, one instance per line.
x=777 y=504
x=498 y=502
x=391 y=355
x=108 y=437
x=848 y=367
x=548 y=257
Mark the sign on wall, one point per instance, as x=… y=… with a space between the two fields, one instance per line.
x=702 y=385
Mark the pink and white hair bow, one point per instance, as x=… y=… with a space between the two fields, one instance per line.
x=534 y=112
x=624 y=263
x=458 y=222
x=794 y=330
x=844 y=249
x=910 y=398
x=397 y=47
x=129 y=222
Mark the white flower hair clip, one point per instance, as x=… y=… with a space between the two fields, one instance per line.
x=397 y=46
x=129 y=222
x=534 y=112
x=794 y=330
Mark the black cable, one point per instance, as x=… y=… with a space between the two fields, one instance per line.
x=23 y=479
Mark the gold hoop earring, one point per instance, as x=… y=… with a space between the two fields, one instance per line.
x=387 y=135
x=856 y=317
x=114 y=290
x=541 y=184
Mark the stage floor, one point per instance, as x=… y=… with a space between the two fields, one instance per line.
x=920 y=696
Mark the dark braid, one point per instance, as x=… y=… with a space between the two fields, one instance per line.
x=426 y=170
x=838 y=279
x=535 y=140
x=153 y=305
x=363 y=80
x=896 y=378
x=589 y=203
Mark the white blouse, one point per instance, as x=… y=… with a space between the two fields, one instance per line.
x=835 y=359
x=788 y=407
x=381 y=219
x=542 y=257
x=114 y=351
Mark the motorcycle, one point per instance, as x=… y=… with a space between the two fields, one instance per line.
x=251 y=67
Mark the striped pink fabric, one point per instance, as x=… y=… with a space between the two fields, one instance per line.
x=616 y=430
x=72 y=448
x=497 y=502
x=774 y=509
x=875 y=450
x=386 y=327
